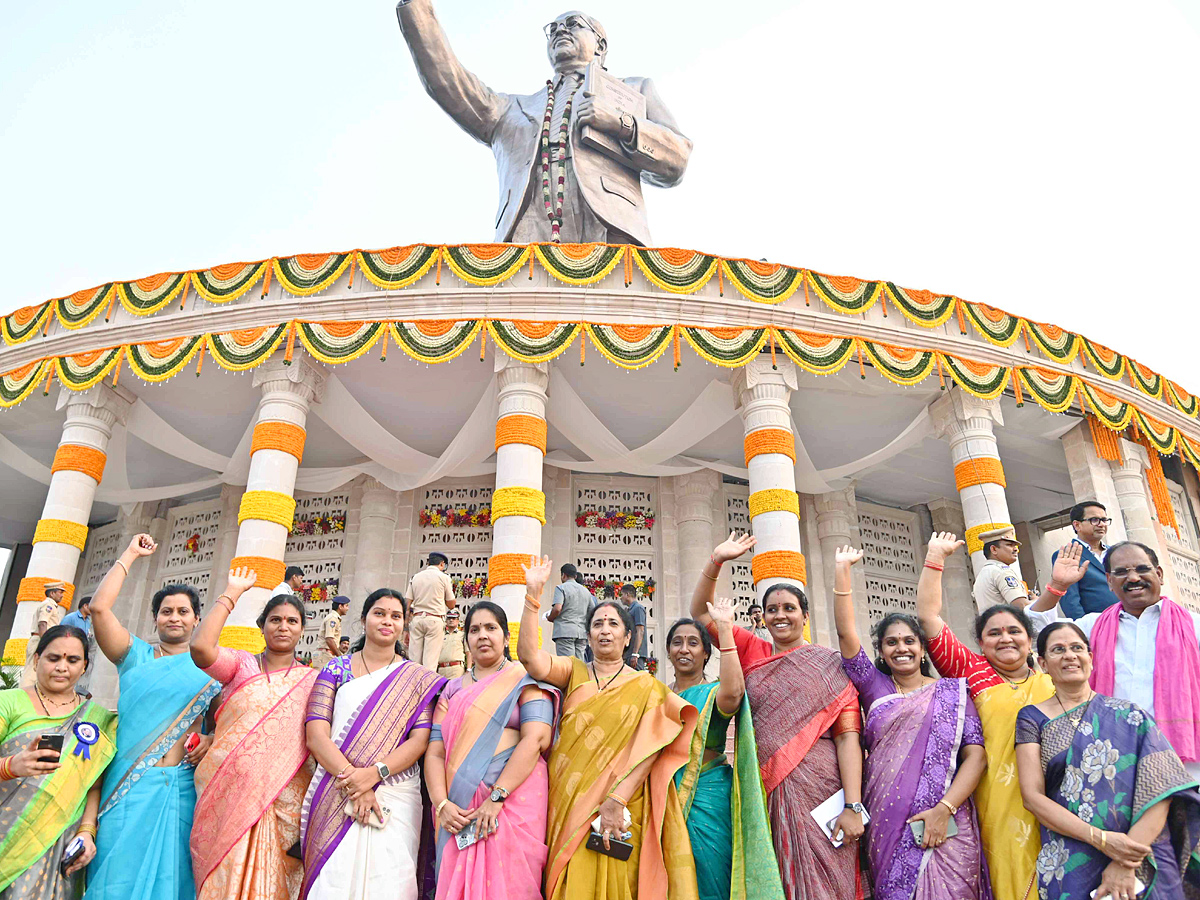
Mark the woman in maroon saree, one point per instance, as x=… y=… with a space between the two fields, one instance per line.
x=807 y=721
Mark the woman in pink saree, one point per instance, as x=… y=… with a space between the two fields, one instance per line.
x=486 y=771
x=251 y=784
x=807 y=724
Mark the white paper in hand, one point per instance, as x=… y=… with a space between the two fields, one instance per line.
x=624 y=836
x=826 y=814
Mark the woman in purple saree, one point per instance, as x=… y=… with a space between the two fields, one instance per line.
x=925 y=758
x=364 y=818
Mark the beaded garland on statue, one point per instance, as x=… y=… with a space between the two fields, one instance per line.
x=555 y=212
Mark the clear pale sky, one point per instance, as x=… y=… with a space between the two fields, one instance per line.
x=1038 y=156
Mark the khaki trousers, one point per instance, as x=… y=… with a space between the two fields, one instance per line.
x=425 y=636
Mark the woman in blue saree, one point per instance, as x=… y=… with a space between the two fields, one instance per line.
x=1119 y=814
x=149 y=792
x=724 y=805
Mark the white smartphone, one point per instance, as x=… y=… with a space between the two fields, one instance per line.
x=1138 y=887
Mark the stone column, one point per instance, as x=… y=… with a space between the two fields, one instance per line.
x=373 y=555
x=61 y=533
x=267 y=508
x=958 y=604
x=837 y=526
x=227 y=536
x=770 y=451
x=1092 y=477
x=1129 y=482
x=966 y=423
x=695 y=496
x=518 y=504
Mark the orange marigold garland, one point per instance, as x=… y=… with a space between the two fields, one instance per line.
x=269 y=572
x=778 y=564
x=769 y=440
x=506 y=568
x=1159 y=493
x=521 y=429
x=79 y=458
x=282 y=436
x=33 y=588
x=981 y=470
x=1106 y=442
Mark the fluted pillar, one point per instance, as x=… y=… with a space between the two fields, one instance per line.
x=1092 y=477
x=61 y=533
x=1129 y=481
x=837 y=526
x=966 y=423
x=696 y=495
x=376 y=526
x=958 y=602
x=763 y=392
x=267 y=508
x=518 y=503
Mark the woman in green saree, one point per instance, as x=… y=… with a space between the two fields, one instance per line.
x=724 y=805
x=47 y=798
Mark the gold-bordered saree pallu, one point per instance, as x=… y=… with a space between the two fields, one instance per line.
x=251 y=786
x=605 y=735
x=37 y=814
x=800 y=699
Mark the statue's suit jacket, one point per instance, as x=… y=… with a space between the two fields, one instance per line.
x=511 y=124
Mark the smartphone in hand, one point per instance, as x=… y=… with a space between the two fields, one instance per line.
x=51 y=742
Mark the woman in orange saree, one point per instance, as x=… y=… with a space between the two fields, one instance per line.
x=251 y=784
x=807 y=723
x=622 y=737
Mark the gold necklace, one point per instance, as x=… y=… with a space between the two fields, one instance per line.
x=1082 y=707
x=74 y=701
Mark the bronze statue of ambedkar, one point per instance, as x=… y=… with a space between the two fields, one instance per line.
x=575 y=184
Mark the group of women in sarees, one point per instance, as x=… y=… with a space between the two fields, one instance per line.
x=234 y=774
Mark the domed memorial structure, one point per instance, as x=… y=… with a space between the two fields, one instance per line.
x=570 y=391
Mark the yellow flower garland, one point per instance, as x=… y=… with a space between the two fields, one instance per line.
x=981 y=470
x=269 y=506
x=519 y=501
x=774 y=500
x=79 y=458
x=61 y=531
x=242 y=637
x=14 y=651
x=972 y=535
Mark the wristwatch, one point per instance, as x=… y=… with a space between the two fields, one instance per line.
x=499 y=795
x=857 y=807
x=383 y=770
x=627 y=122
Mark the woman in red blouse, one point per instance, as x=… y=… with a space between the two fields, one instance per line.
x=807 y=722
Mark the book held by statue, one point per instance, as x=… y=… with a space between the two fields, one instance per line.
x=614 y=93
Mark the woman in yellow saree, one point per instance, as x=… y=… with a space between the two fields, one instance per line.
x=1001 y=680
x=251 y=784
x=622 y=737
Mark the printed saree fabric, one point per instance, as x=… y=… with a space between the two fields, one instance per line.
x=1010 y=834
x=251 y=783
x=37 y=814
x=146 y=809
x=1108 y=763
x=510 y=862
x=378 y=724
x=913 y=742
x=800 y=699
x=604 y=735
x=725 y=807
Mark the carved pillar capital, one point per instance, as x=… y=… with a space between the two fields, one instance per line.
x=958 y=414
x=694 y=495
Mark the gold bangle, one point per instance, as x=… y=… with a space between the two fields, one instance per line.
x=228 y=605
x=86 y=829
x=437 y=812
x=1103 y=840
x=946 y=803
x=842 y=593
x=709 y=577
x=123 y=566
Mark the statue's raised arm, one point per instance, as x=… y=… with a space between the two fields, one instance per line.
x=571 y=158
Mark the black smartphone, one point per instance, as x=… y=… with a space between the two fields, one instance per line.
x=617 y=849
x=70 y=854
x=51 y=742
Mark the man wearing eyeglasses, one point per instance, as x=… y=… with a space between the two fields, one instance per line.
x=554 y=186
x=1145 y=648
x=1092 y=594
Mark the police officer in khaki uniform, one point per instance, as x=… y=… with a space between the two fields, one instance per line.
x=49 y=613
x=998 y=581
x=453 y=659
x=331 y=633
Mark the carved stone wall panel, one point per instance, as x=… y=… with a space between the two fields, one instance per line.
x=103 y=549
x=320 y=526
x=890 y=563
x=737 y=516
x=193 y=533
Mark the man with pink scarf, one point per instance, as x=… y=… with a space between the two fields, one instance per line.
x=1145 y=648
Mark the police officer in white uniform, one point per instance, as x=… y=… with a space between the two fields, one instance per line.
x=998 y=581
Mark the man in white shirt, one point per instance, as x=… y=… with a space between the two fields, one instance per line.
x=293 y=581
x=1136 y=578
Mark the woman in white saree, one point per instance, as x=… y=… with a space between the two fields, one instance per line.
x=368 y=725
